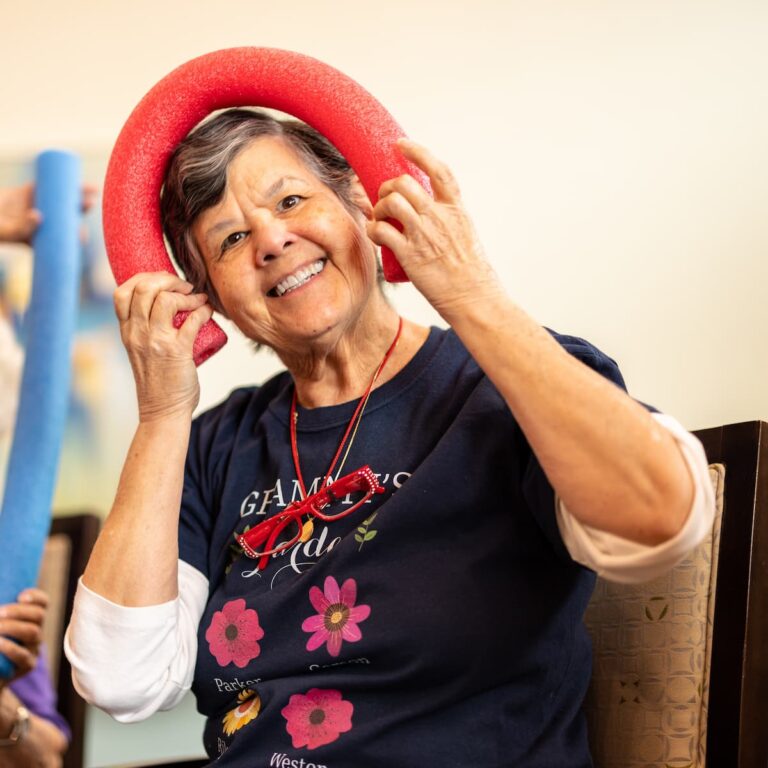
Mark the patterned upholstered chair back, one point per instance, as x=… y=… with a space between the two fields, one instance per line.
x=652 y=647
x=681 y=663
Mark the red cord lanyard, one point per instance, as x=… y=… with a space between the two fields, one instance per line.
x=354 y=422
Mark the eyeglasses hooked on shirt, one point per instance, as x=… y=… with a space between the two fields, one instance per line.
x=282 y=531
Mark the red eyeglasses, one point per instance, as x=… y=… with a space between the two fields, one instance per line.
x=261 y=541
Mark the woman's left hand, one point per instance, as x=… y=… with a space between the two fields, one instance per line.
x=21 y=630
x=438 y=247
x=614 y=468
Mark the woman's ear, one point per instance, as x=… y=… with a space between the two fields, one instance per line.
x=213 y=298
x=360 y=198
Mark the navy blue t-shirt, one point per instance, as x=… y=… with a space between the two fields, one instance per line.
x=439 y=624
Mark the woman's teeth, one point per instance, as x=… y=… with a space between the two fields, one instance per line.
x=298 y=278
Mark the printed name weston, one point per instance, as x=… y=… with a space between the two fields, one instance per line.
x=281 y=760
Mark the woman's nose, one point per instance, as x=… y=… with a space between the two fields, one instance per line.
x=270 y=238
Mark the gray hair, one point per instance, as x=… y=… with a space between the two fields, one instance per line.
x=196 y=178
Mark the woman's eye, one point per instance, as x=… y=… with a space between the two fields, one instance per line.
x=289 y=202
x=231 y=240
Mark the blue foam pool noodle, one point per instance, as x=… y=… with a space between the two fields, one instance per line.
x=50 y=324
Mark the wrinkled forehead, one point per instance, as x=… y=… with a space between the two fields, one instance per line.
x=267 y=163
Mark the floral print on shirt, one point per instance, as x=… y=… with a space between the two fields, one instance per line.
x=248 y=708
x=337 y=616
x=234 y=633
x=317 y=717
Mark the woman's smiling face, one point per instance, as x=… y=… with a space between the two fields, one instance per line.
x=288 y=260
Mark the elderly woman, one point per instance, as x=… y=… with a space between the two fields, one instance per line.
x=380 y=557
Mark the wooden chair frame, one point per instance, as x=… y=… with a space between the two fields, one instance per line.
x=81 y=530
x=737 y=731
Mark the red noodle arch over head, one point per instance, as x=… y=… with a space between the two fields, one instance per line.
x=332 y=103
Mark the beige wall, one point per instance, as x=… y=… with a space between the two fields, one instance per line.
x=614 y=154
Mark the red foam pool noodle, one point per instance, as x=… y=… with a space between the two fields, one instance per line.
x=332 y=103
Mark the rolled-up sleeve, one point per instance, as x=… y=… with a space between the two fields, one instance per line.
x=132 y=662
x=625 y=561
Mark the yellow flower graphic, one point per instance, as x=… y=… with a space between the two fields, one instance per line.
x=248 y=709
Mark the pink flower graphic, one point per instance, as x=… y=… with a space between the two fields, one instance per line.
x=317 y=717
x=337 y=615
x=234 y=634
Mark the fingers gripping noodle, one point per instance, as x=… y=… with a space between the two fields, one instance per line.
x=332 y=103
x=50 y=324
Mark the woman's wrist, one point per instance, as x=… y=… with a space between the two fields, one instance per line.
x=168 y=409
x=172 y=417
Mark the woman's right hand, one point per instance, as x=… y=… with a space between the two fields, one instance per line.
x=161 y=354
